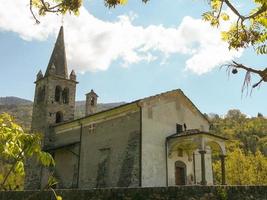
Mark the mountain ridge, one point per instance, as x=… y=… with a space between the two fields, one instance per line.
x=21 y=109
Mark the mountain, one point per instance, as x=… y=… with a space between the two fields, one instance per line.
x=14 y=101
x=21 y=109
x=80 y=107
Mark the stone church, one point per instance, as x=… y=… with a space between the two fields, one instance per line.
x=161 y=140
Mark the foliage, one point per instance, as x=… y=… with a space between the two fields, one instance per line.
x=248 y=134
x=15 y=147
x=246 y=161
x=22 y=114
x=243 y=169
x=246 y=30
x=249 y=29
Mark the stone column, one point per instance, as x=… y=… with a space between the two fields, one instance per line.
x=223 y=168
x=203 y=168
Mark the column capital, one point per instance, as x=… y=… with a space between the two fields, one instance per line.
x=202 y=151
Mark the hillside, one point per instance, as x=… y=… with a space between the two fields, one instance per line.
x=80 y=107
x=14 y=101
x=21 y=109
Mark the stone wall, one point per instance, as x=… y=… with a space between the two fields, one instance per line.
x=161 y=193
x=110 y=152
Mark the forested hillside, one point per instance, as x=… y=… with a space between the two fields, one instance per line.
x=246 y=161
x=249 y=134
x=21 y=109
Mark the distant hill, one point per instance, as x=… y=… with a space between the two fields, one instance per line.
x=14 y=101
x=80 y=107
x=21 y=109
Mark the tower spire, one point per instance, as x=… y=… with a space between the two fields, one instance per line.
x=58 y=61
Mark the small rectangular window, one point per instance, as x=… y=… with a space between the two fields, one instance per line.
x=179 y=128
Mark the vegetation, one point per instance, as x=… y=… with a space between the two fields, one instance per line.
x=246 y=161
x=15 y=147
x=248 y=134
x=243 y=169
x=247 y=30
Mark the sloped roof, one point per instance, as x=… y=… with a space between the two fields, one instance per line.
x=192 y=132
x=178 y=91
x=58 y=58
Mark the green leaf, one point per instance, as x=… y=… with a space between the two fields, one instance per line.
x=225 y=16
x=262 y=49
x=59 y=197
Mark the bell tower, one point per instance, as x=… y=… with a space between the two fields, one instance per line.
x=54 y=100
x=91 y=103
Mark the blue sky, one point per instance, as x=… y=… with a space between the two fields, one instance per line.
x=147 y=50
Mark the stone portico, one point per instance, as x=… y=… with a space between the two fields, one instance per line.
x=189 y=157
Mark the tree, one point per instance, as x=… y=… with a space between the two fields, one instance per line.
x=248 y=134
x=15 y=147
x=243 y=169
x=248 y=30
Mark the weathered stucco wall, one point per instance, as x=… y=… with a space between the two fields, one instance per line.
x=66 y=170
x=159 y=118
x=110 y=152
x=181 y=193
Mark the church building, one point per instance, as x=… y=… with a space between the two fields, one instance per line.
x=157 y=141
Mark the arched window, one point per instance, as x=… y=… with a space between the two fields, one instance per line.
x=65 y=96
x=180 y=173
x=58 y=92
x=59 y=117
x=92 y=100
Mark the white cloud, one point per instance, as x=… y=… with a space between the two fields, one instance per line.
x=93 y=44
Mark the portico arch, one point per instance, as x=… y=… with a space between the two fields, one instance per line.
x=197 y=143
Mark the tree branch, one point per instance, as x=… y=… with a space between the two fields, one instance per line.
x=12 y=168
x=260 y=11
x=234 y=9
x=241 y=66
x=36 y=20
x=261 y=73
x=220 y=10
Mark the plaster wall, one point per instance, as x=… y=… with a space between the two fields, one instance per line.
x=159 y=118
x=67 y=166
x=110 y=152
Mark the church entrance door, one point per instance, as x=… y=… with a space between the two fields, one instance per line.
x=180 y=173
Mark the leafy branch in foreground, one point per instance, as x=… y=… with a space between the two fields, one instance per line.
x=15 y=147
x=248 y=30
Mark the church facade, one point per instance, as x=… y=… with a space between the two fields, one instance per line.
x=162 y=140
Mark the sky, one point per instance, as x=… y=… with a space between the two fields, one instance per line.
x=130 y=52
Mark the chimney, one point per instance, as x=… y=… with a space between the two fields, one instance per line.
x=91 y=103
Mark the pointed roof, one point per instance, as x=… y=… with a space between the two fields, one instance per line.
x=58 y=58
x=92 y=93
